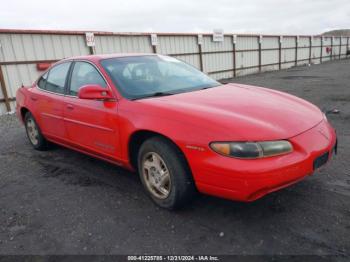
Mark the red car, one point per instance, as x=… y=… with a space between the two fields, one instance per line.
x=181 y=130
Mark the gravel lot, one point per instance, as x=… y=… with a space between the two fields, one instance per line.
x=63 y=202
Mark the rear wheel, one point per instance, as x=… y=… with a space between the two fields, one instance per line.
x=164 y=173
x=34 y=134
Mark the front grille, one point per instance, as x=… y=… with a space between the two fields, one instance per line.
x=321 y=160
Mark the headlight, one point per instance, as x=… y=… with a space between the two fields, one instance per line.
x=249 y=150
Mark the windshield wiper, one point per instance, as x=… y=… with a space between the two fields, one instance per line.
x=207 y=87
x=156 y=94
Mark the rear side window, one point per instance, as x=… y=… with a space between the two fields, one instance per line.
x=42 y=81
x=57 y=78
x=84 y=74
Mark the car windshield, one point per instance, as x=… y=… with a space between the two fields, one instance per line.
x=154 y=75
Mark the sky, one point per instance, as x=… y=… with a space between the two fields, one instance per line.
x=244 y=16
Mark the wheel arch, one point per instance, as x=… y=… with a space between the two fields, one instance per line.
x=23 y=111
x=140 y=136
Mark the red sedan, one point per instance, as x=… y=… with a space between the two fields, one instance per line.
x=181 y=130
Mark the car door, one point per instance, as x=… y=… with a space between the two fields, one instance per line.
x=48 y=101
x=91 y=124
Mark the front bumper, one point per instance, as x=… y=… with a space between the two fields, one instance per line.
x=248 y=180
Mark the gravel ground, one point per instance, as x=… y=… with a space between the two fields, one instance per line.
x=63 y=202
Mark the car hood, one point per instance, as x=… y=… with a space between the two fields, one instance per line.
x=241 y=112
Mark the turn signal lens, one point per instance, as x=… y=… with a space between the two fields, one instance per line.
x=221 y=148
x=252 y=150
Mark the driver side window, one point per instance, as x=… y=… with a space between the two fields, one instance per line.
x=55 y=79
x=84 y=74
x=42 y=81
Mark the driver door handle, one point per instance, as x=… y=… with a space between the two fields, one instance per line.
x=70 y=107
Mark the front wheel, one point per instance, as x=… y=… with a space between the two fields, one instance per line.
x=34 y=134
x=164 y=173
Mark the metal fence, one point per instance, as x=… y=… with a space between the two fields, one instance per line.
x=235 y=55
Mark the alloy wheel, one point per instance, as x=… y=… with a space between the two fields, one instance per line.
x=156 y=175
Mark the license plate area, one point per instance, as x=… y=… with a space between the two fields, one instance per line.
x=321 y=160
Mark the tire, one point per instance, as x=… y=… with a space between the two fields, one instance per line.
x=34 y=134
x=179 y=183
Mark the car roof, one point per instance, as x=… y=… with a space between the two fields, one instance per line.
x=95 y=58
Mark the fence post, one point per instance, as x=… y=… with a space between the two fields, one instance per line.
x=4 y=91
x=234 y=40
x=310 y=48
x=280 y=52
x=154 y=42
x=321 y=51
x=340 y=47
x=296 y=49
x=347 y=46
x=200 y=42
x=332 y=48
x=260 y=43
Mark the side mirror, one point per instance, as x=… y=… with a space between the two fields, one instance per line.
x=95 y=92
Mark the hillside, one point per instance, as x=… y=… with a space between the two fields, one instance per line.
x=337 y=32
